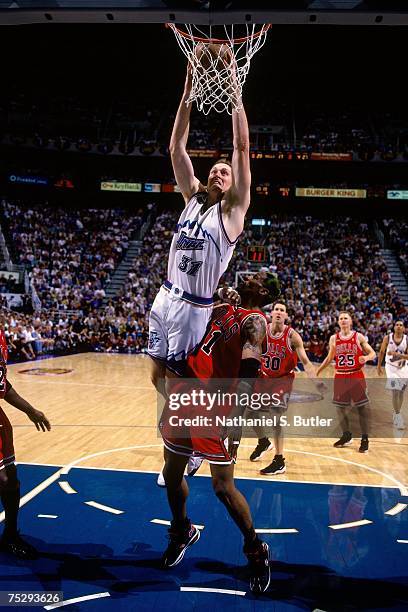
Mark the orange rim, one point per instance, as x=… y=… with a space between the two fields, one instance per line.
x=234 y=41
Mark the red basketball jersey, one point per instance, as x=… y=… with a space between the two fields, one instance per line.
x=3 y=364
x=219 y=353
x=279 y=359
x=347 y=353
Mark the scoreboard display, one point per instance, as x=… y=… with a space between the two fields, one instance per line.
x=256 y=253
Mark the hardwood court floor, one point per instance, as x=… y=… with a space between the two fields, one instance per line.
x=103 y=414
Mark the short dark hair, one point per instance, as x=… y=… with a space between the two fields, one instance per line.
x=280 y=302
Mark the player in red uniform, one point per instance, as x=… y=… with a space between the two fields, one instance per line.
x=10 y=541
x=351 y=351
x=231 y=348
x=283 y=349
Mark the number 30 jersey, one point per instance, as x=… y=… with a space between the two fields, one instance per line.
x=219 y=353
x=348 y=350
x=200 y=250
x=279 y=359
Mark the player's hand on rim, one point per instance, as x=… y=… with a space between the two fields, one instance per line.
x=39 y=419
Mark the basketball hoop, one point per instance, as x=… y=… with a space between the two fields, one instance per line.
x=219 y=65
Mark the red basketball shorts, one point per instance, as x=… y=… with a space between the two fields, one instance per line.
x=350 y=389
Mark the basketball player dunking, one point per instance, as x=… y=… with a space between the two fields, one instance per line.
x=202 y=245
x=395 y=348
x=351 y=352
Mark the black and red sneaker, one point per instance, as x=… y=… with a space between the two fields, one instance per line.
x=15 y=545
x=180 y=540
x=259 y=565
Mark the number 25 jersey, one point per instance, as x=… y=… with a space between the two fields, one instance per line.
x=348 y=350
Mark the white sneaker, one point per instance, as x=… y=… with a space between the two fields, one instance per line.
x=160 y=480
x=399 y=421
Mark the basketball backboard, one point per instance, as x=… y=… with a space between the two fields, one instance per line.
x=347 y=12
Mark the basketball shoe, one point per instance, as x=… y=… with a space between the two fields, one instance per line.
x=261 y=448
x=398 y=421
x=345 y=440
x=179 y=541
x=276 y=467
x=259 y=565
x=15 y=545
x=363 y=445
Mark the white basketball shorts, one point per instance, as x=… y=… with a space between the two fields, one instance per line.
x=176 y=327
x=396 y=378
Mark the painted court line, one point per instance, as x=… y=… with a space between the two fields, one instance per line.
x=205 y=590
x=402 y=541
x=36 y=491
x=66 y=487
x=352 y=524
x=95 y=504
x=52 y=381
x=396 y=509
x=50 y=516
x=162 y=522
x=73 y=465
x=290 y=530
x=67 y=602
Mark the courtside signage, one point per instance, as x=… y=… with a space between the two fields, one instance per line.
x=397 y=195
x=323 y=192
x=116 y=186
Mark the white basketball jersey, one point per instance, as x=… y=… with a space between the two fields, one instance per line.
x=200 y=250
x=393 y=347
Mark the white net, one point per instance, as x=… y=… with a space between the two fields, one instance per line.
x=219 y=65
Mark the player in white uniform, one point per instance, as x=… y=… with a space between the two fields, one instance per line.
x=202 y=245
x=395 y=348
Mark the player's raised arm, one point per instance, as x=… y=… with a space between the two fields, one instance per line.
x=238 y=196
x=182 y=166
x=381 y=354
x=330 y=356
x=368 y=350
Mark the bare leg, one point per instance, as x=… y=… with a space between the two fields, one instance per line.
x=364 y=417
x=342 y=415
x=278 y=434
x=397 y=399
x=158 y=376
x=176 y=485
x=233 y=500
x=10 y=497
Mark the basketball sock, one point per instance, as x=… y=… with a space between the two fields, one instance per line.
x=181 y=525
x=11 y=500
x=251 y=540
